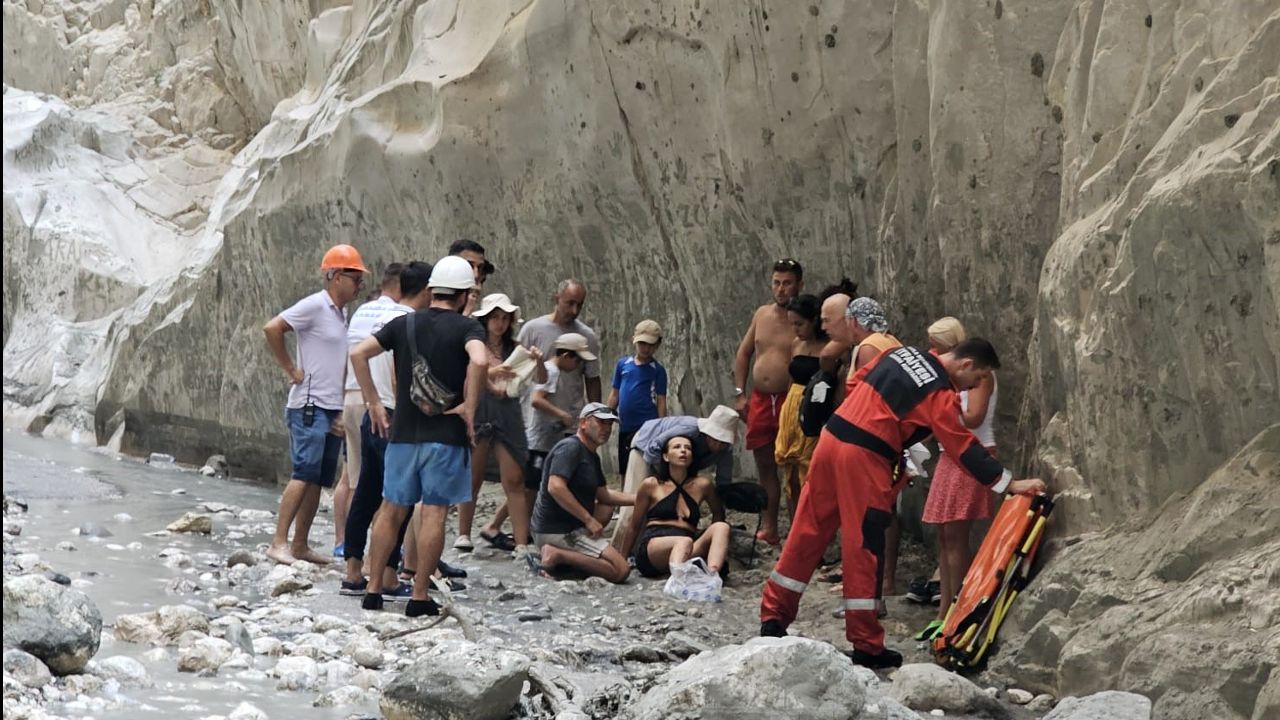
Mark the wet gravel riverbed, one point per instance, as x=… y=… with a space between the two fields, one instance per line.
x=281 y=642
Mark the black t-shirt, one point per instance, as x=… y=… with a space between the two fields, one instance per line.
x=580 y=467
x=442 y=339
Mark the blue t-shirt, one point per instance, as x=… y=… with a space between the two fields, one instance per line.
x=638 y=385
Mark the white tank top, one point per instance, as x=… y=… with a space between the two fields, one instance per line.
x=986 y=432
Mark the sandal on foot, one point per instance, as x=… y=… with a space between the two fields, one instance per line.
x=535 y=566
x=930 y=631
x=502 y=541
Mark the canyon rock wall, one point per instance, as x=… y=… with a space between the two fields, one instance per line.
x=1094 y=185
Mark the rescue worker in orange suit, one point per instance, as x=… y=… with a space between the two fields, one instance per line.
x=892 y=403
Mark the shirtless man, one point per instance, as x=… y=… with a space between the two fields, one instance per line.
x=769 y=340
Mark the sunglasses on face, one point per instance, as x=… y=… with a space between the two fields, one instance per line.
x=356 y=276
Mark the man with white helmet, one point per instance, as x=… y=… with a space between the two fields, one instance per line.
x=314 y=409
x=441 y=369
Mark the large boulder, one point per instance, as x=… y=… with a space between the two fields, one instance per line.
x=925 y=686
x=60 y=626
x=764 y=677
x=457 y=680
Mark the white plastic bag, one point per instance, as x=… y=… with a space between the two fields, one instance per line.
x=693 y=581
x=916 y=455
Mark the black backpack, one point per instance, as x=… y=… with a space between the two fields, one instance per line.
x=814 y=413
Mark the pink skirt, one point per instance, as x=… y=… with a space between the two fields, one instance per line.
x=954 y=495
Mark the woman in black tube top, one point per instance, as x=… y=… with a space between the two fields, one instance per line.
x=664 y=525
x=792 y=449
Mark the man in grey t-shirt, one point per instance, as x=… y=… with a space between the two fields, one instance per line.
x=566 y=524
x=541 y=332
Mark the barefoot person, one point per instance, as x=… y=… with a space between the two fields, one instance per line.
x=768 y=340
x=314 y=409
x=565 y=524
x=899 y=398
x=663 y=530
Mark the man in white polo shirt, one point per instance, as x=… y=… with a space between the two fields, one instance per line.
x=364 y=322
x=314 y=410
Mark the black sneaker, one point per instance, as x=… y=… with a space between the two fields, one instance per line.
x=399 y=593
x=919 y=591
x=418 y=608
x=886 y=658
x=455 y=586
x=353 y=588
x=772 y=628
x=450 y=571
x=372 y=601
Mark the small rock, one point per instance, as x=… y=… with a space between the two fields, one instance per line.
x=533 y=614
x=207 y=653
x=26 y=669
x=366 y=680
x=267 y=646
x=256 y=515
x=57 y=577
x=156 y=655
x=218 y=465
x=124 y=670
x=368 y=656
x=508 y=595
x=938 y=712
x=925 y=686
x=1018 y=696
x=593 y=584
x=122 y=517
x=91 y=529
x=242 y=557
x=1041 y=703
x=296 y=673
x=160 y=627
x=342 y=697
x=246 y=711
x=642 y=654
x=683 y=646
x=160 y=459
x=67 y=546
x=224 y=601
x=236 y=634
x=192 y=523
x=492 y=583
x=288 y=585
x=180 y=586
x=325 y=623
x=82 y=684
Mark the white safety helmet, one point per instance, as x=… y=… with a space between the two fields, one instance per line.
x=452 y=273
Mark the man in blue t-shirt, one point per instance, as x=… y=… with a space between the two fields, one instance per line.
x=639 y=388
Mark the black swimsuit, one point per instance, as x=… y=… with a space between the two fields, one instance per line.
x=665 y=509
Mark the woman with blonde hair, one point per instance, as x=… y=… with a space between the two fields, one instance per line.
x=956 y=499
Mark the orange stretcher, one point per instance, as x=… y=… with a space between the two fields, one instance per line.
x=1000 y=570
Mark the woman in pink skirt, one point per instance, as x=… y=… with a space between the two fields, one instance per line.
x=955 y=498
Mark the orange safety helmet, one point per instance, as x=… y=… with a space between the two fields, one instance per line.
x=343 y=257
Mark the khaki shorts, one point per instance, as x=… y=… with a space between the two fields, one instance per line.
x=352 y=414
x=575 y=540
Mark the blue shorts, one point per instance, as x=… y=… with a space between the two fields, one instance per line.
x=313 y=449
x=429 y=473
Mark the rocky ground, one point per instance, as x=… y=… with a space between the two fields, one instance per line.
x=233 y=636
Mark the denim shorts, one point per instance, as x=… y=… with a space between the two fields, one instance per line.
x=429 y=473
x=313 y=449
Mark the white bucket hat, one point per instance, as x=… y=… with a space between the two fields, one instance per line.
x=497 y=301
x=722 y=424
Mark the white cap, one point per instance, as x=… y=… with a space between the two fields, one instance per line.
x=597 y=410
x=577 y=343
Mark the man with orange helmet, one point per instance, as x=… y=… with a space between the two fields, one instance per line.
x=313 y=412
x=893 y=402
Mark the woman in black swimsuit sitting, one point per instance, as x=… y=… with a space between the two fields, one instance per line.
x=668 y=509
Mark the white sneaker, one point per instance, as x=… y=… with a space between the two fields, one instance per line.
x=463 y=544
